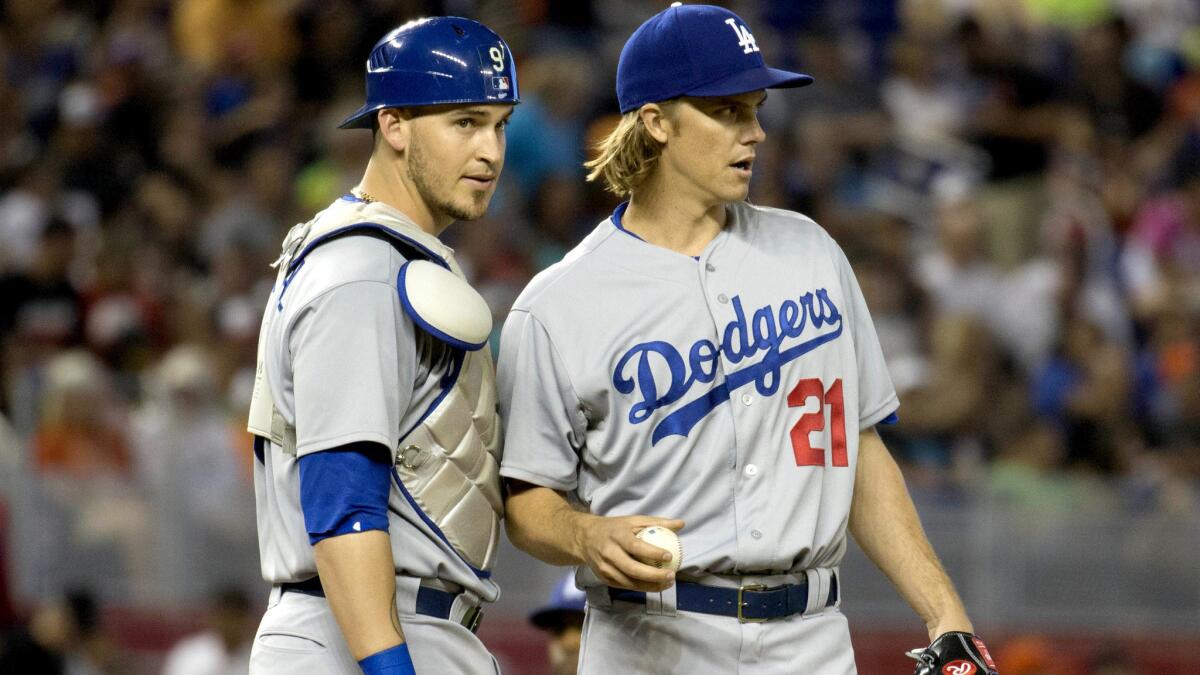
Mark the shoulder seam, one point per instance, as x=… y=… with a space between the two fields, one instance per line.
x=557 y=354
x=794 y=216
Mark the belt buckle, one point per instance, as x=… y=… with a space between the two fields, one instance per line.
x=472 y=617
x=741 y=617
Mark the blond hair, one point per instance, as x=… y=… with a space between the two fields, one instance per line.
x=626 y=156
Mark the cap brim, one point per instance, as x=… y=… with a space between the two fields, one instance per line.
x=752 y=80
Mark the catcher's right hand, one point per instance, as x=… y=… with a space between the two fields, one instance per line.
x=954 y=653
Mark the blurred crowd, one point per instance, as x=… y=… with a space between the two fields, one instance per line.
x=1017 y=183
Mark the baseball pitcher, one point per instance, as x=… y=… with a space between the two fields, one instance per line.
x=702 y=364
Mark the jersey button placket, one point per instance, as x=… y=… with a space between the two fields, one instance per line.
x=722 y=315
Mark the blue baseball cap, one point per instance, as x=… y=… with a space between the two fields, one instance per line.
x=565 y=601
x=694 y=50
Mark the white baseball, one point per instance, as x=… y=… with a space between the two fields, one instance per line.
x=665 y=539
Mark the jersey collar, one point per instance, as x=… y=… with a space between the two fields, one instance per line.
x=619 y=213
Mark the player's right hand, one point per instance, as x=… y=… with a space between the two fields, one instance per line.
x=610 y=547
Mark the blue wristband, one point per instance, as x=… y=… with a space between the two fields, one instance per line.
x=391 y=661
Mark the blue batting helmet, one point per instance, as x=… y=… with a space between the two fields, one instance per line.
x=444 y=59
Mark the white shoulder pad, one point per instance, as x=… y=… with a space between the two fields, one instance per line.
x=444 y=305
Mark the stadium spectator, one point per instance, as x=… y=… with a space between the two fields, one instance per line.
x=223 y=648
x=562 y=619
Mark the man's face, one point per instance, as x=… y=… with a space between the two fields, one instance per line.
x=713 y=144
x=564 y=647
x=455 y=156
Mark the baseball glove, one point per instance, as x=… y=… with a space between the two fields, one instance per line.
x=954 y=653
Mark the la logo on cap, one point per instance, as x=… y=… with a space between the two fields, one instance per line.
x=745 y=39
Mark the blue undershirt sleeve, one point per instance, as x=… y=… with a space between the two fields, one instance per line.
x=345 y=490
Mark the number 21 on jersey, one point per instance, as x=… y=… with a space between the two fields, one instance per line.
x=806 y=453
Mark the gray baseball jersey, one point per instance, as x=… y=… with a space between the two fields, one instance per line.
x=727 y=390
x=345 y=363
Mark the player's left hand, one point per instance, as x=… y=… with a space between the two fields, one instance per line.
x=954 y=653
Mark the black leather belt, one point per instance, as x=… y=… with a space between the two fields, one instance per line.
x=430 y=601
x=750 y=603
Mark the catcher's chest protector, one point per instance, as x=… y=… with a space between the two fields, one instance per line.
x=447 y=466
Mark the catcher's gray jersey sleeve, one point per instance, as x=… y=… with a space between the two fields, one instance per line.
x=545 y=417
x=348 y=369
x=876 y=395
